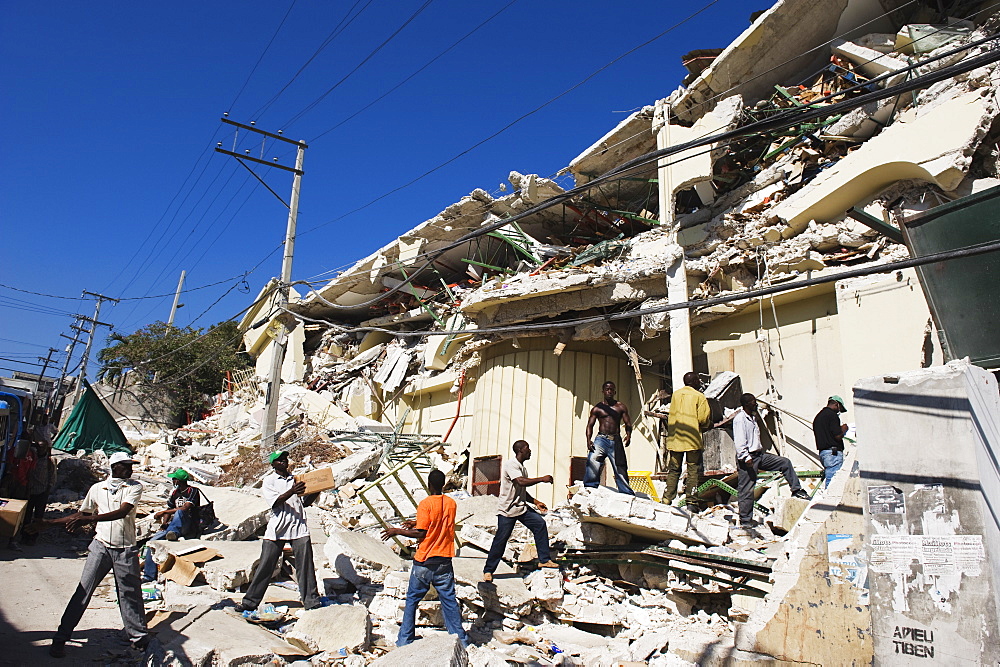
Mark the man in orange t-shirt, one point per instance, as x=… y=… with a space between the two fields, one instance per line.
x=435 y=528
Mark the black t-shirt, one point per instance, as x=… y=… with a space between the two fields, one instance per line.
x=188 y=495
x=826 y=428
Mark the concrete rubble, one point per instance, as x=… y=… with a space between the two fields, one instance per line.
x=640 y=581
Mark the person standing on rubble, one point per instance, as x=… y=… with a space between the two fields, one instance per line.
x=110 y=505
x=689 y=416
x=829 y=434
x=435 y=528
x=751 y=458
x=286 y=524
x=611 y=414
x=182 y=518
x=513 y=507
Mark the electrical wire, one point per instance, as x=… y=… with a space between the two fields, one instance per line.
x=232 y=105
x=416 y=72
x=336 y=32
x=124 y=298
x=312 y=105
x=888 y=267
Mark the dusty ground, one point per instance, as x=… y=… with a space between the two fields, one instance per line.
x=35 y=585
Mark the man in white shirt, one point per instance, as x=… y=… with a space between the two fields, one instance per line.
x=110 y=505
x=751 y=458
x=287 y=524
x=513 y=507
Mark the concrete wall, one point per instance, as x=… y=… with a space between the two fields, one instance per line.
x=930 y=455
x=293 y=366
x=818 y=612
x=805 y=359
x=882 y=326
x=534 y=395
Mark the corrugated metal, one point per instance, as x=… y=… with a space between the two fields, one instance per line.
x=536 y=396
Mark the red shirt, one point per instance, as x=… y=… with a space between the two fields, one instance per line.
x=436 y=515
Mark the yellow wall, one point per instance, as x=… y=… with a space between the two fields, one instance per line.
x=805 y=362
x=533 y=395
x=432 y=412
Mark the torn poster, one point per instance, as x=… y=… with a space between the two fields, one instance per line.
x=845 y=565
x=885 y=500
x=937 y=554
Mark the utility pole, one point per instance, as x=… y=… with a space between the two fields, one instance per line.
x=281 y=302
x=94 y=323
x=57 y=394
x=46 y=360
x=177 y=297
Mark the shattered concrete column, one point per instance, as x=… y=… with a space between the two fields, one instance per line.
x=681 y=358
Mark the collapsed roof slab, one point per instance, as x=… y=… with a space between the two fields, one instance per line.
x=935 y=147
x=365 y=279
x=751 y=65
x=629 y=139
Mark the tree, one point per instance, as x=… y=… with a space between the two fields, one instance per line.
x=186 y=363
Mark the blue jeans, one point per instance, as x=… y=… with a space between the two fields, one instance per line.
x=531 y=520
x=832 y=460
x=437 y=571
x=607 y=448
x=175 y=525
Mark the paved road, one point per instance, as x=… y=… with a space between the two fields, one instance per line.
x=35 y=585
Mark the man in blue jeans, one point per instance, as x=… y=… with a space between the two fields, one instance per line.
x=435 y=528
x=610 y=414
x=513 y=507
x=829 y=434
x=184 y=511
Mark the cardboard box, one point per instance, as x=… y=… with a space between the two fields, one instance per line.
x=11 y=516
x=183 y=566
x=317 y=480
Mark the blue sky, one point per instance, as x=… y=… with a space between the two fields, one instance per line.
x=109 y=183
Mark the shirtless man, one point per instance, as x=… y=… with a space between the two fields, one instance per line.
x=610 y=414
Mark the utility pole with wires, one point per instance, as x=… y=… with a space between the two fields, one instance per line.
x=177 y=297
x=94 y=323
x=46 y=360
x=57 y=393
x=284 y=285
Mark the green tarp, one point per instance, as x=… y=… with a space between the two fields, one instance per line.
x=90 y=427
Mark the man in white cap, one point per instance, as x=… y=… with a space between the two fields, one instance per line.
x=829 y=434
x=110 y=506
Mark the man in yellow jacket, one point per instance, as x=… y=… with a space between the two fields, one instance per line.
x=689 y=416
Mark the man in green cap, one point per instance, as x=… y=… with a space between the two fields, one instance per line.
x=286 y=524
x=182 y=518
x=829 y=434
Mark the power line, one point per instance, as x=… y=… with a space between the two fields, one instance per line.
x=418 y=71
x=262 y=54
x=124 y=298
x=337 y=30
x=361 y=64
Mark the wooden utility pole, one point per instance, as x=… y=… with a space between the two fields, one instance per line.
x=177 y=297
x=46 y=360
x=281 y=301
x=57 y=394
x=94 y=323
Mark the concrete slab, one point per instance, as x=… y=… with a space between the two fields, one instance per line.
x=241 y=513
x=506 y=594
x=647 y=519
x=439 y=649
x=214 y=637
x=360 y=558
x=332 y=628
x=223 y=574
x=356 y=465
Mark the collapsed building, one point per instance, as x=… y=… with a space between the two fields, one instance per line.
x=748 y=226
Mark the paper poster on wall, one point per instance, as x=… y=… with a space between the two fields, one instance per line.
x=846 y=566
x=885 y=500
x=937 y=554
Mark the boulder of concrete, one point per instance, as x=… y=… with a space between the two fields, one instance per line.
x=546 y=586
x=215 y=637
x=651 y=641
x=786 y=513
x=339 y=626
x=440 y=650
x=506 y=594
x=592 y=535
x=647 y=519
x=477 y=511
x=356 y=465
x=241 y=514
x=569 y=638
x=360 y=558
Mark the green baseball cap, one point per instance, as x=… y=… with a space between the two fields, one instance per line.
x=274 y=456
x=180 y=473
x=839 y=401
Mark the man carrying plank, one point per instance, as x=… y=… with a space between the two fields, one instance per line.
x=287 y=524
